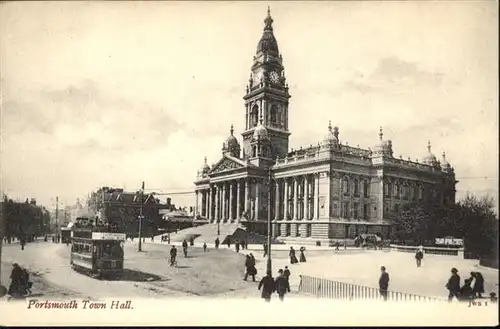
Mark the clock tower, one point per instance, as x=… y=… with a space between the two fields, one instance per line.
x=266 y=101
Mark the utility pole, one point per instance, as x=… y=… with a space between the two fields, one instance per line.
x=57 y=216
x=3 y=214
x=269 y=226
x=140 y=218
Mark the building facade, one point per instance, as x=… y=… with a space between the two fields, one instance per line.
x=327 y=191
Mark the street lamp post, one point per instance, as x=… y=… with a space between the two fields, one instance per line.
x=140 y=218
x=218 y=228
x=269 y=226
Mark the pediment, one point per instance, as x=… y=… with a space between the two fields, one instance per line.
x=226 y=164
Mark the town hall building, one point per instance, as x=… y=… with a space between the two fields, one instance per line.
x=327 y=191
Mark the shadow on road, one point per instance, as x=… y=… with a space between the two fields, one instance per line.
x=138 y=276
x=183 y=266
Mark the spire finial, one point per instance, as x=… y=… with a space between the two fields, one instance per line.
x=205 y=159
x=444 y=155
x=268 y=21
x=380 y=134
x=429 y=146
x=231 y=130
x=330 y=125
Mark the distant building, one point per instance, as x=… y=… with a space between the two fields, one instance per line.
x=327 y=191
x=121 y=208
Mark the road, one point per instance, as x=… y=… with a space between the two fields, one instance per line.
x=147 y=273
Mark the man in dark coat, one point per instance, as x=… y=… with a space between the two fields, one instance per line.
x=453 y=285
x=185 y=248
x=16 y=277
x=173 y=255
x=250 y=268
x=265 y=250
x=478 y=288
x=268 y=286
x=237 y=246
x=293 y=258
x=383 y=283
x=287 y=273
x=466 y=291
x=22 y=241
x=228 y=242
x=418 y=256
x=282 y=285
x=217 y=242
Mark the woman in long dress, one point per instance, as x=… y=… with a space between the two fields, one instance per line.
x=293 y=258
x=302 y=256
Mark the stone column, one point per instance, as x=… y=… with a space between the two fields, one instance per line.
x=316 y=195
x=247 y=196
x=295 y=197
x=231 y=202
x=306 y=197
x=277 y=200
x=257 y=200
x=223 y=201
x=196 y=205
x=285 y=199
x=209 y=203
x=238 y=199
x=216 y=202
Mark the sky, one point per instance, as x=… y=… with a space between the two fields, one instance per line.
x=116 y=93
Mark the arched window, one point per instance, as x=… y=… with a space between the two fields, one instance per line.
x=398 y=190
x=366 y=188
x=356 y=187
x=274 y=114
x=388 y=187
x=345 y=185
x=255 y=115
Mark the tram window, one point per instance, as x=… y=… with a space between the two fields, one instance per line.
x=112 y=250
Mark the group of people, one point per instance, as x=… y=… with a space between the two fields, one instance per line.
x=19 y=281
x=280 y=285
x=293 y=258
x=468 y=290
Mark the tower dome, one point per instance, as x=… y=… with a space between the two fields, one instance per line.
x=445 y=165
x=429 y=159
x=231 y=145
x=205 y=168
x=331 y=136
x=268 y=43
x=383 y=147
x=260 y=132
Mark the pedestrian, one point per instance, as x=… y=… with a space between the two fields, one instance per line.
x=26 y=280
x=383 y=283
x=185 y=248
x=268 y=286
x=418 y=256
x=282 y=285
x=228 y=242
x=242 y=244
x=478 y=288
x=173 y=255
x=302 y=256
x=191 y=241
x=22 y=242
x=337 y=245
x=293 y=258
x=217 y=242
x=250 y=269
x=204 y=246
x=466 y=291
x=265 y=249
x=16 y=279
x=345 y=244
x=287 y=273
x=237 y=246
x=152 y=238
x=453 y=285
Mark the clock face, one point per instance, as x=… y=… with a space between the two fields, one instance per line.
x=275 y=78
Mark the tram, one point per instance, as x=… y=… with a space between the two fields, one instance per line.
x=97 y=252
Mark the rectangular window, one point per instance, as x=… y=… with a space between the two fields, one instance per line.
x=309 y=230
x=346 y=210
x=365 y=211
x=366 y=189
x=388 y=188
x=335 y=210
x=356 y=188
x=355 y=211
